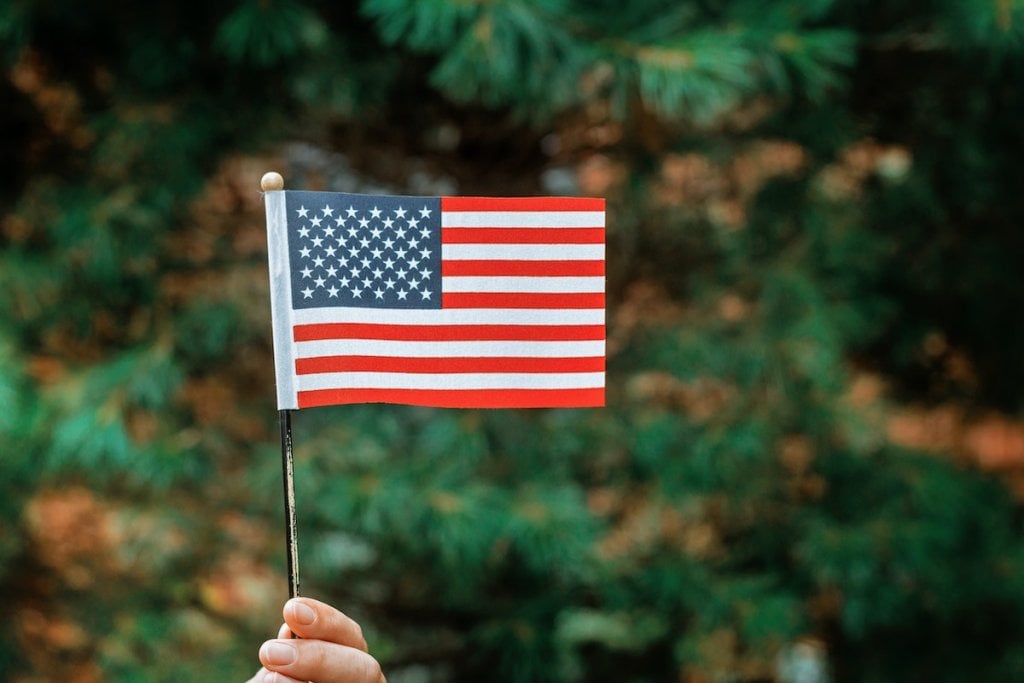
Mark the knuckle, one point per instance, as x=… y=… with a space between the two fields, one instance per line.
x=312 y=656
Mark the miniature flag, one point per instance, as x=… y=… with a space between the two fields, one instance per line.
x=460 y=302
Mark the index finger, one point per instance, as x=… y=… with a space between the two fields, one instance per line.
x=309 y=618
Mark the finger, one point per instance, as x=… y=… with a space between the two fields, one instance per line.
x=320 y=661
x=275 y=677
x=264 y=676
x=309 y=618
x=258 y=678
x=284 y=632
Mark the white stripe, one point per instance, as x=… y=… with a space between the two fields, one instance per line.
x=522 y=219
x=401 y=380
x=457 y=316
x=547 y=285
x=523 y=252
x=449 y=349
x=280 y=298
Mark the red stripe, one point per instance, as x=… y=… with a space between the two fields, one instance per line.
x=521 y=204
x=523 y=268
x=456 y=398
x=522 y=236
x=310 y=366
x=520 y=300
x=314 y=332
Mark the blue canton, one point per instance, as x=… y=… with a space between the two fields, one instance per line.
x=366 y=251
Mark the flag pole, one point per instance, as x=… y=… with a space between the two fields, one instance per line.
x=290 y=526
x=272 y=182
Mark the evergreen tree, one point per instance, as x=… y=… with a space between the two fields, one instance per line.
x=813 y=223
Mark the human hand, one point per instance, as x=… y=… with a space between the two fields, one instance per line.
x=330 y=648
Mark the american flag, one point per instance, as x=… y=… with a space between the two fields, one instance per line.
x=461 y=302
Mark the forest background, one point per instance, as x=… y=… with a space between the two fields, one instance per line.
x=810 y=466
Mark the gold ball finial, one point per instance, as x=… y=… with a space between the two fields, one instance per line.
x=272 y=181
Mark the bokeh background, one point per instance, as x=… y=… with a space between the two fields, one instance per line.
x=810 y=467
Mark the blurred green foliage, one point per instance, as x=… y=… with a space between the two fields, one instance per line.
x=801 y=195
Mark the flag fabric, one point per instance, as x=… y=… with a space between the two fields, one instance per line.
x=462 y=302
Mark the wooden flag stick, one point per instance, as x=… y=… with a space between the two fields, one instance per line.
x=290 y=526
x=272 y=182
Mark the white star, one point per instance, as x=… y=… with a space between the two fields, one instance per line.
x=330 y=251
x=357 y=293
x=400 y=253
x=425 y=294
x=414 y=264
x=306 y=272
x=353 y=232
x=400 y=212
x=303 y=231
x=320 y=282
x=425 y=212
x=377 y=273
x=353 y=251
x=307 y=293
x=379 y=293
x=344 y=281
x=376 y=233
x=333 y=291
x=317 y=241
x=425 y=274
x=401 y=273
x=328 y=211
x=351 y=212
x=400 y=233
x=388 y=223
x=376 y=253
x=389 y=283
x=354 y=271
x=363 y=222
x=302 y=212
x=367 y=282
x=413 y=222
x=364 y=243
x=424 y=233
x=315 y=221
x=388 y=243
x=402 y=294
x=332 y=271
x=329 y=232
x=424 y=253
x=339 y=221
x=389 y=263
x=305 y=252
x=366 y=263
x=413 y=243
x=375 y=212
x=413 y=284
x=342 y=262
x=319 y=261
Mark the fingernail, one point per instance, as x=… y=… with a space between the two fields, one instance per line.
x=278 y=653
x=271 y=677
x=302 y=612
